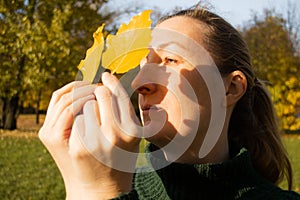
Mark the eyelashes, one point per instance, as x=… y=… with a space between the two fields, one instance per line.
x=161 y=59
x=170 y=61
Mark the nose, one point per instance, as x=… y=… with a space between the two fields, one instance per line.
x=146 y=89
x=139 y=85
x=153 y=56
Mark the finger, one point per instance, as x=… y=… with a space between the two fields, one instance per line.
x=65 y=119
x=65 y=89
x=91 y=112
x=75 y=94
x=82 y=150
x=92 y=127
x=123 y=104
x=63 y=98
x=77 y=133
x=67 y=100
x=60 y=128
x=104 y=99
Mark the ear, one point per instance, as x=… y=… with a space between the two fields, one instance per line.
x=235 y=86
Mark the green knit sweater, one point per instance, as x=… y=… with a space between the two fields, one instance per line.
x=232 y=179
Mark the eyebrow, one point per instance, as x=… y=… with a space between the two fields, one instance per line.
x=166 y=45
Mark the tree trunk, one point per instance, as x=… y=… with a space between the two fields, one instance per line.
x=2 y=111
x=37 y=108
x=10 y=121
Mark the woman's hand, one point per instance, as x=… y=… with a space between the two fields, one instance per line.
x=102 y=151
x=97 y=153
x=55 y=133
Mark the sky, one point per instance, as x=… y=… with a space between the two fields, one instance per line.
x=236 y=12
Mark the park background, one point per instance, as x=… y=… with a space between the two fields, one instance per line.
x=42 y=42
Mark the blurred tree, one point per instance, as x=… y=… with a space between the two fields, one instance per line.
x=274 y=55
x=42 y=42
x=293 y=25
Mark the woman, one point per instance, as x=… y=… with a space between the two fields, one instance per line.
x=194 y=152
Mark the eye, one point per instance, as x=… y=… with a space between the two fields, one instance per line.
x=170 y=61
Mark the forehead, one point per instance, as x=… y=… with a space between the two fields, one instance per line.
x=187 y=26
x=181 y=36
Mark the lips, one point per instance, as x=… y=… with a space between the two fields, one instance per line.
x=146 y=109
x=154 y=116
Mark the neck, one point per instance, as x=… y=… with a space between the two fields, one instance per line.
x=219 y=153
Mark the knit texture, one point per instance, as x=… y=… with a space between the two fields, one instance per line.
x=232 y=179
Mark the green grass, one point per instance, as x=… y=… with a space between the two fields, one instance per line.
x=292 y=144
x=27 y=171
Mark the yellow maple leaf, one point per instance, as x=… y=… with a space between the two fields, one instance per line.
x=90 y=64
x=129 y=46
x=124 y=50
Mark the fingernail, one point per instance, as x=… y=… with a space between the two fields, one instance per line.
x=105 y=75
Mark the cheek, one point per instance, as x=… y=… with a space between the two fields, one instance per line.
x=171 y=125
x=201 y=93
x=173 y=107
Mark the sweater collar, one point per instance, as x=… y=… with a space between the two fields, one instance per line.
x=237 y=168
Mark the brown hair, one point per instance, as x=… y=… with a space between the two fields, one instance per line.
x=253 y=122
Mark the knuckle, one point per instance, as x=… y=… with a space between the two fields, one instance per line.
x=50 y=141
x=69 y=110
x=90 y=103
x=55 y=94
x=103 y=92
x=65 y=98
x=41 y=135
x=78 y=153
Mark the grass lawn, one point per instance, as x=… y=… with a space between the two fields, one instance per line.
x=27 y=171
x=292 y=143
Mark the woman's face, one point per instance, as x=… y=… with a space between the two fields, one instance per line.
x=174 y=99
